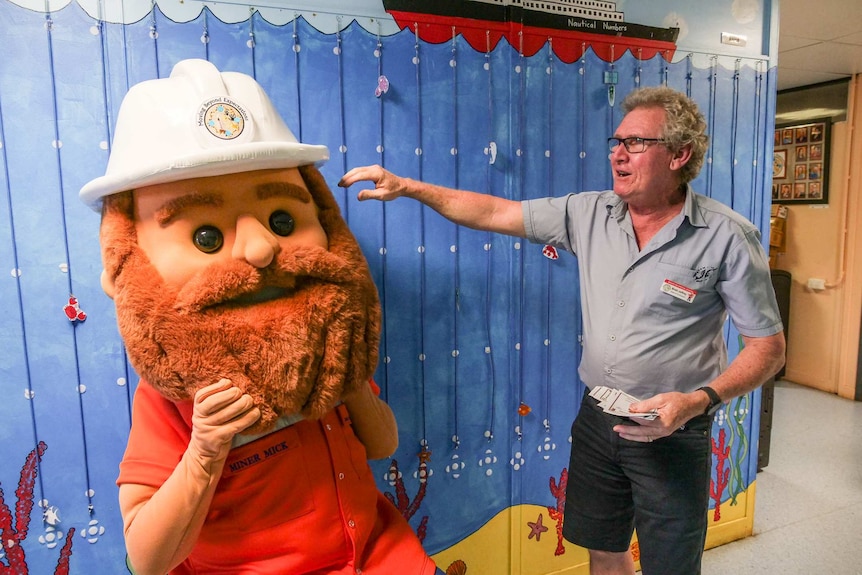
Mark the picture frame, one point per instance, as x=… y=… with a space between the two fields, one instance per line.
x=779 y=164
x=800 y=162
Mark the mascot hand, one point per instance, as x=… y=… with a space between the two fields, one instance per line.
x=221 y=410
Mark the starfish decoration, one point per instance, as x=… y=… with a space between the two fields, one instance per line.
x=536 y=528
x=425 y=456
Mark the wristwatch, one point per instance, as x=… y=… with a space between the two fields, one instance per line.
x=714 y=400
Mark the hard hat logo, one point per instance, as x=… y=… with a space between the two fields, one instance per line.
x=222 y=118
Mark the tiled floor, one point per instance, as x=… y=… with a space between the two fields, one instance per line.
x=808 y=503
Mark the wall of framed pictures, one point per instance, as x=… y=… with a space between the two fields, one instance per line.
x=800 y=163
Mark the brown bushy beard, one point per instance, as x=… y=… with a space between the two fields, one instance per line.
x=299 y=352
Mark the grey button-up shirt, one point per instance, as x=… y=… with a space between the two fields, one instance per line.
x=654 y=318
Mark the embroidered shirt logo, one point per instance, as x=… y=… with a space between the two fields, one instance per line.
x=702 y=273
x=223 y=118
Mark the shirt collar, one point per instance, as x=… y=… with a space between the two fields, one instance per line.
x=617 y=208
x=691 y=209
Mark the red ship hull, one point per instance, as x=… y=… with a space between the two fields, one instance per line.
x=568 y=45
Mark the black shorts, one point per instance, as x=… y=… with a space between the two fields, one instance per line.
x=659 y=488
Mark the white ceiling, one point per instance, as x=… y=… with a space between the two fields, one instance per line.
x=818 y=41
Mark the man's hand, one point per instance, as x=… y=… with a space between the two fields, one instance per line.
x=674 y=410
x=221 y=410
x=387 y=186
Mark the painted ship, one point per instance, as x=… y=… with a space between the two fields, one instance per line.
x=588 y=22
x=589 y=16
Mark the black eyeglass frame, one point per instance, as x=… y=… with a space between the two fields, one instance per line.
x=613 y=143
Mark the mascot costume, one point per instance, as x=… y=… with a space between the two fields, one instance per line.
x=249 y=312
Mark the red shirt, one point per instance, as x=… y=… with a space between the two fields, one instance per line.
x=299 y=501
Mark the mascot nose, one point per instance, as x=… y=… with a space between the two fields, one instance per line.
x=254 y=242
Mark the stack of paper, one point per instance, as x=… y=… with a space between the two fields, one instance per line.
x=617 y=402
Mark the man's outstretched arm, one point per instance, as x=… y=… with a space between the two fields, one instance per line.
x=470 y=209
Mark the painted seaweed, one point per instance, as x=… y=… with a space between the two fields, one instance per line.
x=14 y=529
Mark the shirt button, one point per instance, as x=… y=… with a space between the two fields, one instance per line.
x=328 y=427
x=621 y=303
x=608 y=370
x=341 y=476
x=613 y=338
x=351 y=523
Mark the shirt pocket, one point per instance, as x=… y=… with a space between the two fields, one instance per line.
x=675 y=291
x=264 y=483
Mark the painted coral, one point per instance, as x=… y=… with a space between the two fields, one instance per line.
x=14 y=527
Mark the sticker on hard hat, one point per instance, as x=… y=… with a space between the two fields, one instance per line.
x=223 y=118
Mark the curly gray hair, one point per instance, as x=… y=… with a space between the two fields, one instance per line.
x=684 y=124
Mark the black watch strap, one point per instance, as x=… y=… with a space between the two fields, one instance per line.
x=714 y=400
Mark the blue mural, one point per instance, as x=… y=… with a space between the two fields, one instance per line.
x=481 y=334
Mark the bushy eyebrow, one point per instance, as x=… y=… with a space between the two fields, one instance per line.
x=283 y=189
x=172 y=209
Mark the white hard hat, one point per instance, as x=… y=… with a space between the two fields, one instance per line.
x=198 y=122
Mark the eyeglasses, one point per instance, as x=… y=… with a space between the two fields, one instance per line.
x=633 y=145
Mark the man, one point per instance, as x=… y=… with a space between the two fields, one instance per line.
x=248 y=310
x=660 y=269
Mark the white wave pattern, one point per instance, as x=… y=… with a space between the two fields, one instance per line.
x=328 y=16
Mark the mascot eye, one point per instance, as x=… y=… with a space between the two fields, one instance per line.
x=282 y=223
x=208 y=239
